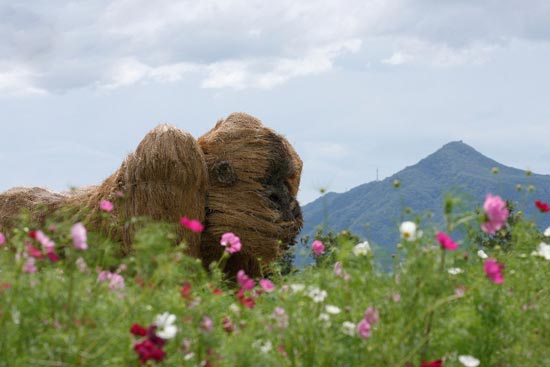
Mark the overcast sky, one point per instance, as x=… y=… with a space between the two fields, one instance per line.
x=355 y=85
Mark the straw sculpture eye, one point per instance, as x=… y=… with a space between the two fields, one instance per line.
x=224 y=173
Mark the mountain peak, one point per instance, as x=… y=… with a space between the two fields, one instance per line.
x=457 y=156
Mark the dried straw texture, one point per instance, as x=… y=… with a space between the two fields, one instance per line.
x=39 y=202
x=164 y=179
x=254 y=178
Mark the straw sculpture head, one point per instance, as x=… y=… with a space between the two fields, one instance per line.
x=254 y=178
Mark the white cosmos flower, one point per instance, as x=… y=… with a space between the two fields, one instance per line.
x=317 y=295
x=409 y=231
x=334 y=310
x=544 y=250
x=361 y=249
x=297 y=287
x=482 y=254
x=468 y=361
x=325 y=319
x=263 y=346
x=455 y=271
x=547 y=232
x=165 y=326
x=348 y=328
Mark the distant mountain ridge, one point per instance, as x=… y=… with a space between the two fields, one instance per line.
x=373 y=210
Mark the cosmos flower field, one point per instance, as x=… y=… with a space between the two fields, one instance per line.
x=473 y=293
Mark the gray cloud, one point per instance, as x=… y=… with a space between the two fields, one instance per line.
x=65 y=45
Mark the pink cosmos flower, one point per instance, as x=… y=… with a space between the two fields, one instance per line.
x=338 y=271
x=103 y=276
x=2 y=239
x=497 y=213
x=106 y=206
x=231 y=242
x=267 y=285
x=244 y=281
x=371 y=315
x=116 y=281
x=318 y=247
x=45 y=241
x=363 y=329
x=207 y=324
x=29 y=266
x=446 y=241
x=281 y=317
x=192 y=224
x=81 y=265
x=494 y=269
x=78 y=232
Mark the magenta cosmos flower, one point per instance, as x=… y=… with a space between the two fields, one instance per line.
x=318 y=248
x=494 y=270
x=106 y=206
x=446 y=241
x=244 y=281
x=496 y=212
x=2 y=239
x=192 y=224
x=231 y=242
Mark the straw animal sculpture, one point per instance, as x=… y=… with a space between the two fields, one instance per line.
x=240 y=177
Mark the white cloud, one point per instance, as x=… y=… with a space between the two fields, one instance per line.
x=413 y=50
x=265 y=74
x=397 y=58
x=130 y=71
x=18 y=82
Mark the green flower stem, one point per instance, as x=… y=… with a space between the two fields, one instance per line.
x=223 y=260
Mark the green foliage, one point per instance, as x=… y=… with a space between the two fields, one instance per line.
x=62 y=315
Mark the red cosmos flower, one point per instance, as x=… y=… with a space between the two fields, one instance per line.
x=216 y=291
x=152 y=336
x=138 y=330
x=437 y=363
x=148 y=350
x=247 y=302
x=186 y=291
x=34 y=252
x=53 y=257
x=227 y=324
x=543 y=207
